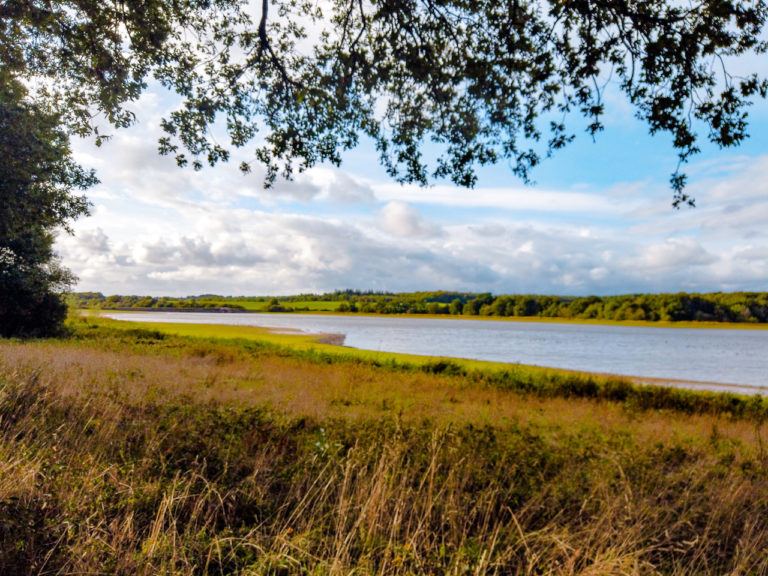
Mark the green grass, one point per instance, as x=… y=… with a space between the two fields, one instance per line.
x=304 y=342
x=543 y=381
x=133 y=449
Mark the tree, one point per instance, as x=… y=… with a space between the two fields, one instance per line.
x=81 y=60
x=38 y=179
x=473 y=307
x=474 y=81
x=484 y=81
x=456 y=307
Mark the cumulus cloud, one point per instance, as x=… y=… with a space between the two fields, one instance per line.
x=318 y=184
x=757 y=254
x=301 y=189
x=674 y=253
x=275 y=253
x=94 y=241
x=341 y=188
x=401 y=219
x=200 y=252
x=157 y=229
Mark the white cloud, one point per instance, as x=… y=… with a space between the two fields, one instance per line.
x=756 y=254
x=254 y=252
x=400 y=219
x=94 y=241
x=158 y=229
x=674 y=253
x=341 y=188
x=517 y=199
x=199 y=252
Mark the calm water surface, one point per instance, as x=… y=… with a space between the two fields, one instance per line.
x=735 y=357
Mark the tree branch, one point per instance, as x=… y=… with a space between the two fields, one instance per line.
x=264 y=45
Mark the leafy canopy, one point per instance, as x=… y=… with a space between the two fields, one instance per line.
x=38 y=184
x=483 y=81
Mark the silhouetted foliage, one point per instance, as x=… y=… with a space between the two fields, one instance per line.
x=485 y=81
x=37 y=182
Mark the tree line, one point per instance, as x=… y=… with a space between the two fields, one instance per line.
x=751 y=307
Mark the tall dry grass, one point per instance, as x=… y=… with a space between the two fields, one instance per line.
x=174 y=457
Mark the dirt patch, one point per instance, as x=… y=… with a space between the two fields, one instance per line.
x=703 y=386
x=332 y=339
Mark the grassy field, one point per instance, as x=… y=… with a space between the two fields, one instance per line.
x=227 y=450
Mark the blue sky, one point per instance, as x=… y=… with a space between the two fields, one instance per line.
x=598 y=221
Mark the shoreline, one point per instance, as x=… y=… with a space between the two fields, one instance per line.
x=698 y=386
x=336 y=340
x=686 y=324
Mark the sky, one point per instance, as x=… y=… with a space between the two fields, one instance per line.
x=598 y=220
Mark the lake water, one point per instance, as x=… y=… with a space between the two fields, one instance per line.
x=693 y=358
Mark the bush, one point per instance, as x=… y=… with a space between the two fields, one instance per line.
x=28 y=311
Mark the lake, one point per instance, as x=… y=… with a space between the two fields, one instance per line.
x=728 y=359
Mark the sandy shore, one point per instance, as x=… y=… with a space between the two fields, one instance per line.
x=704 y=386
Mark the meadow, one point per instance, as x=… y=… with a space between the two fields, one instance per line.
x=177 y=449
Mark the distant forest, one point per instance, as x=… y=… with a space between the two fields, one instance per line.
x=715 y=307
